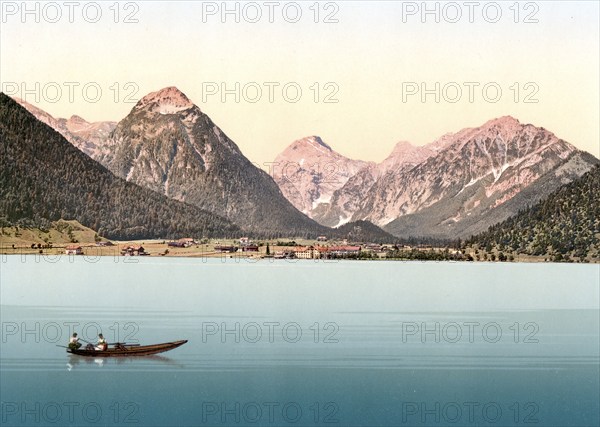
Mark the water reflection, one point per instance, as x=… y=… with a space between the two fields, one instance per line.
x=75 y=361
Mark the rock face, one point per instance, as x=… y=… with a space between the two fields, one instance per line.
x=460 y=184
x=308 y=172
x=348 y=200
x=168 y=145
x=480 y=177
x=87 y=137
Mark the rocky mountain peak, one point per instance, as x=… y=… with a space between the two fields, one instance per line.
x=505 y=127
x=310 y=171
x=168 y=145
x=77 y=124
x=503 y=121
x=311 y=142
x=401 y=150
x=402 y=146
x=404 y=153
x=169 y=100
x=77 y=119
x=506 y=124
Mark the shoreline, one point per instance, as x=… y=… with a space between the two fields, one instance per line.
x=240 y=257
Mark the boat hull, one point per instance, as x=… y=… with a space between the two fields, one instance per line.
x=144 y=350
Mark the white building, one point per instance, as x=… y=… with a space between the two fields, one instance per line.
x=74 y=250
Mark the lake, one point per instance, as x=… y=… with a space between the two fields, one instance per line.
x=301 y=343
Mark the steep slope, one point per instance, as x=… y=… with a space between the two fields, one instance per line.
x=565 y=224
x=469 y=181
x=168 y=145
x=44 y=178
x=404 y=154
x=350 y=198
x=308 y=172
x=433 y=221
x=86 y=136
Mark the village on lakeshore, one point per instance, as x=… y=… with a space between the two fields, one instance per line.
x=244 y=247
x=70 y=238
x=320 y=248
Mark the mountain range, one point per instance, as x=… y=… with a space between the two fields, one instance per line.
x=167 y=144
x=114 y=179
x=454 y=187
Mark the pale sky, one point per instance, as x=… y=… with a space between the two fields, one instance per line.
x=376 y=54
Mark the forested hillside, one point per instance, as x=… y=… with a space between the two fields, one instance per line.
x=565 y=226
x=44 y=178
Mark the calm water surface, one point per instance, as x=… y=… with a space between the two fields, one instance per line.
x=301 y=343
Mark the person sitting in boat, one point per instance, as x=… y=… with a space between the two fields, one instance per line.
x=74 y=343
x=102 y=345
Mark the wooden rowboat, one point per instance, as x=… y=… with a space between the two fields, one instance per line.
x=127 y=351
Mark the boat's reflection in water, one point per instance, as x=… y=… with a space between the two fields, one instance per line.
x=77 y=361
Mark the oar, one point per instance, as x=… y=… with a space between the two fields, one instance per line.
x=68 y=348
x=124 y=343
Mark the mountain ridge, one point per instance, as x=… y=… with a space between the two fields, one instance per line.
x=455 y=186
x=86 y=136
x=437 y=190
